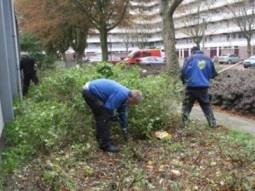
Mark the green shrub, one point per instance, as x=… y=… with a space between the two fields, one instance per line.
x=30 y=44
x=54 y=114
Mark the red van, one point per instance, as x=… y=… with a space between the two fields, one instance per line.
x=133 y=57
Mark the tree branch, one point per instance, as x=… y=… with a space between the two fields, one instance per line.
x=174 y=5
x=92 y=20
x=121 y=16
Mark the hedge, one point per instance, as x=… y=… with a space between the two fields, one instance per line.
x=235 y=90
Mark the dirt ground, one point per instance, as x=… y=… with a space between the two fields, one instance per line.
x=197 y=158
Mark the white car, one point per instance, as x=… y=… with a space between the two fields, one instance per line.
x=150 y=60
x=95 y=58
x=250 y=62
x=228 y=59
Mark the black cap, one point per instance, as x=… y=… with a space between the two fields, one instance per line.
x=194 y=49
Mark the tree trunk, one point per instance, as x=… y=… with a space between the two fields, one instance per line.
x=103 y=40
x=80 y=50
x=248 y=47
x=197 y=42
x=127 y=46
x=80 y=42
x=169 y=40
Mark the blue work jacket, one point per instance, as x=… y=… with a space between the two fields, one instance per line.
x=197 y=71
x=113 y=95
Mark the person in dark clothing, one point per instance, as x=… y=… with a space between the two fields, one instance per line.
x=105 y=98
x=27 y=65
x=196 y=73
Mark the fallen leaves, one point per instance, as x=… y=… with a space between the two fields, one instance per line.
x=195 y=161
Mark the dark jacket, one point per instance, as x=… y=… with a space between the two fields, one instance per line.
x=197 y=71
x=27 y=65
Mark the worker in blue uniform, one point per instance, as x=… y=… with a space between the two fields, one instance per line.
x=196 y=73
x=106 y=97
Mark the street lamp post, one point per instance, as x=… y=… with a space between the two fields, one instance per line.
x=203 y=34
x=110 y=37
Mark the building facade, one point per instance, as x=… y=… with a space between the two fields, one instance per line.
x=218 y=31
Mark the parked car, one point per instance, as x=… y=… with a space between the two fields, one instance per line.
x=250 y=62
x=136 y=55
x=114 y=59
x=151 y=60
x=94 y=58
x=229 y=59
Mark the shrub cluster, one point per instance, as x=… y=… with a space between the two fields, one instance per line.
x=54 y=114
x=234 y=90
x=30 y=44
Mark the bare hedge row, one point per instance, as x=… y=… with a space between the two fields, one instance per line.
x=235 y=90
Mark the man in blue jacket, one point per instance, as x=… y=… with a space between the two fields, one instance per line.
x=196 y=73
x=106 y=97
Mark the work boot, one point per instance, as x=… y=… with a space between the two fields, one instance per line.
x=110 y=148
x=217 y=126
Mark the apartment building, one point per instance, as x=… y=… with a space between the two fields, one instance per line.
x=218 y=31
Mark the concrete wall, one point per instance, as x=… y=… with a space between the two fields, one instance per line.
x=9 y=61
x=1 y=120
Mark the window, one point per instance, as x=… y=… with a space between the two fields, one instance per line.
x=227 y=23
x=137 y=55
x=210 y=38
x=145 y=54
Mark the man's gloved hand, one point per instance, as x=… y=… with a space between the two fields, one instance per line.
x=125 y=134
x=115 y=118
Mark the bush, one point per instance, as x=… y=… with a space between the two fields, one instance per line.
x=53 y=115
x=234 y=90
x=30 y=44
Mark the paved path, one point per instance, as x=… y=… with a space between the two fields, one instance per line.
x=228 y=120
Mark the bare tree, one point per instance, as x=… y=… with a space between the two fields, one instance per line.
x=127 y=38
x=194 y=20
x=79 y=41
x=104 y=15
x=168 y=8
x=138 y=27
x=244 y=17
x=141 y=36
x=142 y=27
